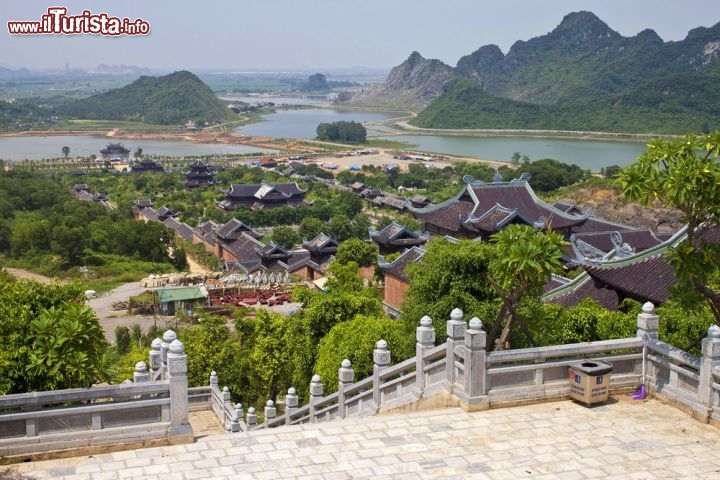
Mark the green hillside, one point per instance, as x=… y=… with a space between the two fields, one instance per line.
x=585 y=76
x=677 y=104
x=168 y=100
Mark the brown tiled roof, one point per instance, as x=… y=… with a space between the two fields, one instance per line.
x=395 y=234
x=586 y=288
x=321 y=242
x=259 y=190
x=639 y=240
x=181 y=229
x=645 y=276
x=647 y=280
x=234 y=228
x=398 y=266
x=477 y=199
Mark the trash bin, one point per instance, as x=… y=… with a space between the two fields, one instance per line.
x=589 y=381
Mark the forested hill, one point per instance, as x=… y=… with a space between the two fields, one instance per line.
x=581 y=76
x=169 y=100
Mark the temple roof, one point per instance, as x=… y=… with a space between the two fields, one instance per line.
x=397 y=267
x=233 y=229
x=181 y=229
x=395 y=234
x=643 y=276
x=489 y=207
x=321 y=243
x=264 y=191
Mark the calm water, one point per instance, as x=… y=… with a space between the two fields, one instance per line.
x=588 y=154
x=277 y=100
x=36 y=148
x=303 y=123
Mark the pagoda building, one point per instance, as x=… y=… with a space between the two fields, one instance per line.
x=200 y=175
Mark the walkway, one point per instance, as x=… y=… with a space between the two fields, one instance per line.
x=561 y=440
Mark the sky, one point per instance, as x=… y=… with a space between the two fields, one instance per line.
x=319 y=35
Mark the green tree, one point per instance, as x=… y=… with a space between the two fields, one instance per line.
x=282 y=354
x=355 y=250
x=355 y=340
x=66 y=151
x=450 y=275
x=311 y=227
x=122 y=339
x=524 y=260
x=68 y=349
x=685 y=174
x=340 y=227
x=285 y=236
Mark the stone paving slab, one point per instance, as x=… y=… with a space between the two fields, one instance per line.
x=560 y=440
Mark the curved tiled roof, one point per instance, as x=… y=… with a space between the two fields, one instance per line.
x=469 y=209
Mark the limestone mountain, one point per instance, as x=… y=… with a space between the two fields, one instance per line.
x=411 y=85
x=583 y=57
x=170 y=99
x=582 y=75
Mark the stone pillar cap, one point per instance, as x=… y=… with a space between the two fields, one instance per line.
x=381 y=345
x=140 y=367
x=714 y=332
x=426 y=321
x=156 y=344
x=346 y=363
x=475 y=323
x=177 y=347
x=291 y=391
x=456 y=315
x=648 y=308
x=169 y=336
x=315 y=379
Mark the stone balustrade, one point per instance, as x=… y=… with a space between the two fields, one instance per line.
x=140 y=412
x=458 y=372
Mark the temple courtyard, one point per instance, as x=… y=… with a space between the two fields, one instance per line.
x=622 y=438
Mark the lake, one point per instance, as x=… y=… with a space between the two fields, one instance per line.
x=303 y=123
x=36 y=148
x=588 y=154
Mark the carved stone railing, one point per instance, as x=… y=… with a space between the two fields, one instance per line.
x=462 y=370
x=133 y=412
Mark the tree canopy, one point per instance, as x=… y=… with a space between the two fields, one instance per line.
x=342 y=131
x=685 y=174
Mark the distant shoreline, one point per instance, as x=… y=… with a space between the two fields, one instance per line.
x=406 y=129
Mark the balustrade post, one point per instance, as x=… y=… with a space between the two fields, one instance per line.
x=345 y=378
x=177 y=373
x=141 y=373
x=291 y=404
x=156 y=357
x=316 y=393
x=237 y=415
x=381 y=360
x=474 y=396
x=425 y=336
x=648 y=323
x=251 y=417
x=456 y=327
x=269 y=411
x=168 y=337
x=710 y=359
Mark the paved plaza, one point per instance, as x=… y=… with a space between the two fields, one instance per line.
x=623 y=439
